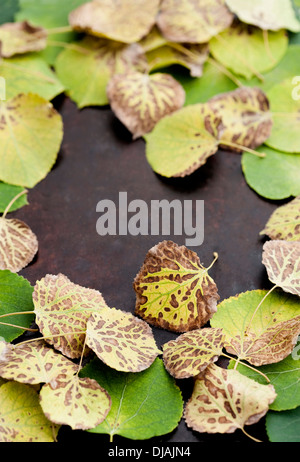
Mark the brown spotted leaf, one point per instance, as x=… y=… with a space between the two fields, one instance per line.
x=193 y=21
x=284 y=223
x=173 y=290
x=62 y=308
x=78 y=402
x=192 y=352
x=240 y=117
x=282 y=261
x=33 y=363
x=225 y=400
x=121 y=340
x=124 y=21
x=21 y=37
x=18 y=244
x=140 y=100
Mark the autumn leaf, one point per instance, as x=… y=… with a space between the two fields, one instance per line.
x=225 y=400
x=284 y=223
x=21 y=37
x=173 y=290
x=124 y=21
x=190 y=353
x=78 y=402
x=21 y=416
x=282 y=261
x=193 y=21
x=62 y=309
x=121 y=340
x=141 y=100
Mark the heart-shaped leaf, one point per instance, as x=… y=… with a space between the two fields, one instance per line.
x=284 y=223
x=192 y=352
x=121 y=340
x=141 y=100
x=225 y=400
x=282 y=261
x=173 y=290
x=62 y=309
x=21 y=37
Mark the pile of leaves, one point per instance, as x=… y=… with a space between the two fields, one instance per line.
x=173 y=74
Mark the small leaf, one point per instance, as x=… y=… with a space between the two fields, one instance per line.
x=173 y=290
x=225 y=400
x=124 y=21
x=193 y=21
x=282 y=261
x=7 y=194
x=62 y=308
x=141 y=100
x=78 y=402
x=21 y=37
x=33 y=363
x=283 y=427
x=144 y=404
x=121 y=340
x=284 y=223
x=21 y=417
x=192 y=352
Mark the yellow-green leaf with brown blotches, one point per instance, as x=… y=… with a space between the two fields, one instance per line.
x=121 y=340
x=21 y=37
x=190 y=353
x=141 y=100
x=173 y=290
x=284 y=223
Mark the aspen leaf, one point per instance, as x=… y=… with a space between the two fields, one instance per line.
x=284 y=223
x=21 y=417
x=141 y=100
x=193 y=21
x=78 y=402
x=8 y=10
x=121 y=340
x=283 y=427
x=225 y=400
x=153 y=40
x=192 y=352
x=21 y=37
x=123 y=21
x=7 y=193
x=173 y=290
x=282 y=262
x=62 y=308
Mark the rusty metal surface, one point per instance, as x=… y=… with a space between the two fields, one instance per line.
x=98 y=159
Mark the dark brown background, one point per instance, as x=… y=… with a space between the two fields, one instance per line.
x=98 y=159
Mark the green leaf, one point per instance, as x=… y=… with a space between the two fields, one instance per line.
x=7 y=193
x=242 y=49
x=276 y=176
x=284 y=223
x=21 y=416
x=284 y=427
x=8 y=9
x=15 y=296
x=144 y=404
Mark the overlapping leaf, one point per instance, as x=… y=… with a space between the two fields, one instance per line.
x=193 y=21
x=225 y=400
x=8 y=10
x=62 y=309
x=173 y=290
x=123 y=21
x=283 y=427
x=121 y=340
x=282 y=261
x=284 y=223
x=21 y=37
x=141 y=100
x=260 y=337
x=192 y=352
x=78 y=402
x=7 y=193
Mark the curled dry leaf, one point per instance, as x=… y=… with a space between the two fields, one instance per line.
x=284 y=223
x=62 y=308
x=33 y=363
x=78 y=402
x=192 y=352
x=193 y=21
x=225 y=400
x=21 y=37
x=124 y=21
x=121 y=340
x=141 y=100
x=282 y=261
x=173 y=290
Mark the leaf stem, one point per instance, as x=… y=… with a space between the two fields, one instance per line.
x=258 y=306
x=267 y=45
x=243 y=148
x=216 y=256
x=237 y=361
x=13 y=201
x=51 y=336
x=225 y=71
x=15 y=314
x=60 y=30
x=71 y=46
x=38 y=74
x=251 y=437
x=18 y=327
